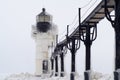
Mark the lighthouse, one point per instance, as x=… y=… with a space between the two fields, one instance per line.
x=44 y=34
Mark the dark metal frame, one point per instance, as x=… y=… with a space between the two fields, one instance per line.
x=56 y=65
x=52 y=65
x=59 y=52
x=107 y=13
x=73 y=44
x=63 y=51
x=87 y=32
x=88 y=35
x=116 y=25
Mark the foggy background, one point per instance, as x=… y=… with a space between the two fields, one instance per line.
x=17 y=48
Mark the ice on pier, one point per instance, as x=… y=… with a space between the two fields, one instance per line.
x=28 y=76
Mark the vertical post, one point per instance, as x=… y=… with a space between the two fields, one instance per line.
x=52 y=64
x=56 y=66
x=56 y=39
x=67 y=30
x=79 y=16
x=79 y=20
x=72 y=77
x=88 y=54
x=117 y=39
x=88 y=46
x=62 y=64
x=88 y=37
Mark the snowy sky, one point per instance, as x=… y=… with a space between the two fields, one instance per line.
x=17 y=48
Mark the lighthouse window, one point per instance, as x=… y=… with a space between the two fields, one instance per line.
x=45 y=66
x=43 y=26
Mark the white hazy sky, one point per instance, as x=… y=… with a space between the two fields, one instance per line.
x=17 y=48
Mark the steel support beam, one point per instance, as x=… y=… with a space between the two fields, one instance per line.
x=52 y=64
x=73 y=46
x=72 y=75
x=88 y=37
x=87 y=43
x=56 y=66
x=88 y=54
x=117 y=39
x=117 y=34
x=88 y=49
x=62 y=64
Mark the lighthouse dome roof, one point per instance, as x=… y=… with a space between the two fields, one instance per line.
x=44 y=16
x=43 y=12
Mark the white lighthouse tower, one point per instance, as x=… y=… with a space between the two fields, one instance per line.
x=44 y=34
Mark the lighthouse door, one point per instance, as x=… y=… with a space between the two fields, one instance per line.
x=45 y=66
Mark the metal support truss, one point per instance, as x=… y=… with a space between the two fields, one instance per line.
x=73 y=44
x=55 y=56
x=117 y=34
x=63 y=51
x=88 y=35
x=52 y=66
x=107 y=13
x=56 y=66
x=59 y=52
x=116 y=25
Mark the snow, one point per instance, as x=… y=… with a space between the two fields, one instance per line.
x=27 y=76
